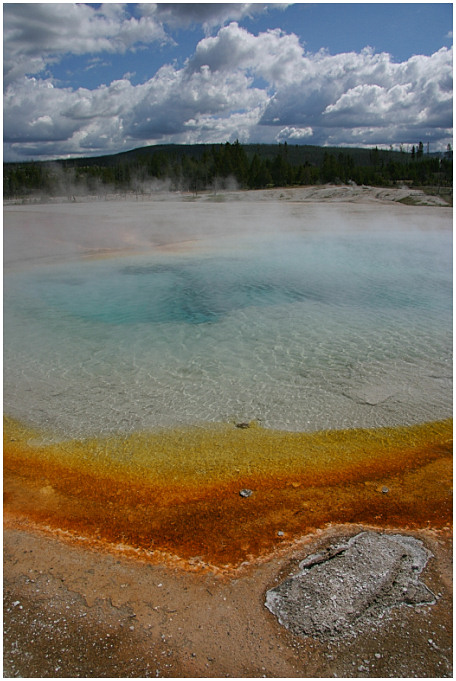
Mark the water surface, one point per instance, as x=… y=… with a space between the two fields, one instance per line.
x=299 y=324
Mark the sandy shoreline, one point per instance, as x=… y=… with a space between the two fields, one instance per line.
x=77 y=609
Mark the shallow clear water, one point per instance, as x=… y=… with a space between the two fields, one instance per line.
x=299 y=331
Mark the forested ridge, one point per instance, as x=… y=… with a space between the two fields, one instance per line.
x=200 y=167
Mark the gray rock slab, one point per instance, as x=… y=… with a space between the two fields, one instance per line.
x=349 y=585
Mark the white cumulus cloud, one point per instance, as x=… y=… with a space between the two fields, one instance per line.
x=38 y=34
x=292 y=133
x=208 y=14
x=257 y=88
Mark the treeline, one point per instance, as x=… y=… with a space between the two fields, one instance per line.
x=201 y=167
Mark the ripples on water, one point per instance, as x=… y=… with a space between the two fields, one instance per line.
x=300 y=332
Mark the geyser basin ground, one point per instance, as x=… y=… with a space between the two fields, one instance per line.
x=161 y=484
x=138 y=334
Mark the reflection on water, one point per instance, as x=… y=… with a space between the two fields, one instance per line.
x=300 y=332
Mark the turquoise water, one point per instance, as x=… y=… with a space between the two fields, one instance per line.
x=299 y=331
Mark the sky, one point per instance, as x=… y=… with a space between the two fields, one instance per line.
x=93 y=79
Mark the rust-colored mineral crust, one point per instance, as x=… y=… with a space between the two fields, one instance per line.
x=177 y=492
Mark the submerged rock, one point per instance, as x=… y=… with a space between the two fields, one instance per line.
x=349 y=585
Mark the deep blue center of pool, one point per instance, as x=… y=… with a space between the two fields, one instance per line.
x=358 y=273
x=301 y=331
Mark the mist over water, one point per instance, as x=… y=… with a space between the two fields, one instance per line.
x=292 y=319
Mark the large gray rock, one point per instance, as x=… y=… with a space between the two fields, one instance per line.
x=351 y=584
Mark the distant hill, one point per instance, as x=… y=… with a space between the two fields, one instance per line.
x=296 y=153
x=203 y=166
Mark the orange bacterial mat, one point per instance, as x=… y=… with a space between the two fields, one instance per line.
x=177 y=492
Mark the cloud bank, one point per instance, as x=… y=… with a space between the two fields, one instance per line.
x=256 y=88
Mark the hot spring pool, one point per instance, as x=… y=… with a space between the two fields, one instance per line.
x=300 y=326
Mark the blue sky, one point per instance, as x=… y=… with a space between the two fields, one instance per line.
x=93 y=79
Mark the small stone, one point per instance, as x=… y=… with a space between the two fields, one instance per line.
x=243 y=425
x=245 y=492
x=385 y=490
x=280 y=533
